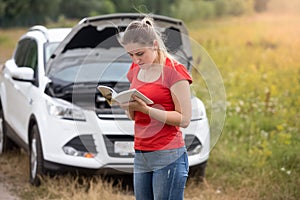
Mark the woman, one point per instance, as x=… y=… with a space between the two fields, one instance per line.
x=161 y=161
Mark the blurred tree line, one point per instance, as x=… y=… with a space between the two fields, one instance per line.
x=30 y=12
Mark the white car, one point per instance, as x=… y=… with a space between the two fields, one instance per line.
x=51 y=108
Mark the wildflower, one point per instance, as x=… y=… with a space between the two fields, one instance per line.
x=279 y=127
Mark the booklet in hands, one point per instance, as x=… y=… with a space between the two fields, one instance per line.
x=114 y=98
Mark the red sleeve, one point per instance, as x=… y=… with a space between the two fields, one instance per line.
x=176 y=73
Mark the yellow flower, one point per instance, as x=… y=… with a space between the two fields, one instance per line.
x=279 y=127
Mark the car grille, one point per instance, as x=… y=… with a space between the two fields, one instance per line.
x=104 y=110
x=110 y=141
x=191 y=142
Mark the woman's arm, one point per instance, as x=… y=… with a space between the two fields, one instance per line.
x=180 y=116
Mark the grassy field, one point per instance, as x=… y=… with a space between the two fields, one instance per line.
x=258 y=56
x=257 y=155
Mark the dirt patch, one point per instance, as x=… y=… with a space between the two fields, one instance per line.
x=6 y=190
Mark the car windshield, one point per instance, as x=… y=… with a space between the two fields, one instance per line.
x=49 y=49
x=94 y=72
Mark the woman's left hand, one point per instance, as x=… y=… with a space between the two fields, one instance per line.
x=136 y=105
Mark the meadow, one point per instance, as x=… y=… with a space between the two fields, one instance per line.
x=257 y=155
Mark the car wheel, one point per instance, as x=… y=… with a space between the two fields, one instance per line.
x=198 y=171
x=5 y=142
x=36 y=160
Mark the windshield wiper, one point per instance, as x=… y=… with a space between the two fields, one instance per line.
x=72 y=84
x=62 y=87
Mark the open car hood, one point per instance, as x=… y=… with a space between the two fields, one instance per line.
x=95 y=33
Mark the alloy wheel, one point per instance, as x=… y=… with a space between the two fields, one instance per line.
x=33 y=158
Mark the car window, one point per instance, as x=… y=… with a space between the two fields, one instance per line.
x=32 y=55
x=21 y=53
x=26 y=54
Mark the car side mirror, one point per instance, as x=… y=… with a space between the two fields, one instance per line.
x=25 y=74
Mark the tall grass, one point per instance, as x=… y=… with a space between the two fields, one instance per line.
x=257 y=156
x=14 y=171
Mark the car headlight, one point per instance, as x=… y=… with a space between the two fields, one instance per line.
x=197 y=114
x=198 y=110
x=65 y=110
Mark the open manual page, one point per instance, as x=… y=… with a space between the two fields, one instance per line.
x=113 y=98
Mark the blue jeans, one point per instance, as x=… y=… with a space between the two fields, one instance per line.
x=160 y=175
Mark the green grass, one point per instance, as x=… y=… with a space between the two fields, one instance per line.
x=259 y=147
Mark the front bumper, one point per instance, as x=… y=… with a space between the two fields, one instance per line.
x=56 y=136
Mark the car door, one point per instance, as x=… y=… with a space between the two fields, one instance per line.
x=19 y=100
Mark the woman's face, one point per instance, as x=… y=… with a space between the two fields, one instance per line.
x=142 y=55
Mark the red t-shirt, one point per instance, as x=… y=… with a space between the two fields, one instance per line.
x=151 y=134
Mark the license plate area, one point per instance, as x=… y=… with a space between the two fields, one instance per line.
x=124 y=148
x=119 y=146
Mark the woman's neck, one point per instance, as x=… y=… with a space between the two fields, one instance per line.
x=150 y=74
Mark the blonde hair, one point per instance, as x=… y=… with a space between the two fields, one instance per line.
x=144 y=32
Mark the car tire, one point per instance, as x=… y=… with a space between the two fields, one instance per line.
x=5 y=143
x=198 y=171
x=36 y=160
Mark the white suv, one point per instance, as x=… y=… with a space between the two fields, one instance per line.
x=50 y=106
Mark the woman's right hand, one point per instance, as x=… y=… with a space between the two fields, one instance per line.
x=129 y=112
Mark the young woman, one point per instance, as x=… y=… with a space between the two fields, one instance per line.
x=161 y=161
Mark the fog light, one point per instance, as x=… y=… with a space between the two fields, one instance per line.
x=73 y=152
x=195 y=150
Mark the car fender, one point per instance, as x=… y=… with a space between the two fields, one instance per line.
x=3 y=93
